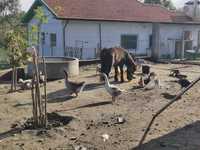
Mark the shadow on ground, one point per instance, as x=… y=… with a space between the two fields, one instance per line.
x=54 y=120
x=93 y=86
x=88 y=106
x=168 y=96
x=186 y=138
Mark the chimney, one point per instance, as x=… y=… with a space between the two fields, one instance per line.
x=195 y=8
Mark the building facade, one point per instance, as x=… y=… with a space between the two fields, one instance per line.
x=84 y=28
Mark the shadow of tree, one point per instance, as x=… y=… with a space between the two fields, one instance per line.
x=88 y=106
x=92 y=86
x=59 y=96
x=168 y=96
x=186 y=138
x=54 y=120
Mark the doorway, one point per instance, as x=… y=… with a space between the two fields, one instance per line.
x=178 y=49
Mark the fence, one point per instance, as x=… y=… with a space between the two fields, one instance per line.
x=82 y=53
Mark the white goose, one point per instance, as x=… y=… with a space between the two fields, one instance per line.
x=113 y=90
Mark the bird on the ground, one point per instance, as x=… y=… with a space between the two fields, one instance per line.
x=98 y=69
x=153 y=83
x=41 y=77
x=113 y=90
x=25 y=84
x=184 y=83
x=176 y=73
x=73 y=87
x=140 y=62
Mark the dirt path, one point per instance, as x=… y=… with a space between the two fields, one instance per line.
x=91 y=115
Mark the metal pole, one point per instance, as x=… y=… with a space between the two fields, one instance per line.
x=182 y=92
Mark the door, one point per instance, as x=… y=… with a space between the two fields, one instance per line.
x=178 y=49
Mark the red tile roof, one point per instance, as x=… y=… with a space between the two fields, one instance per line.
x=116 y=10
x=109 y=10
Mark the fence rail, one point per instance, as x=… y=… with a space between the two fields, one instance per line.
x=82 y=53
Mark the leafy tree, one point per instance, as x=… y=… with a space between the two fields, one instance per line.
x=9 y=7
x=16 y=45
x=153 y=1
x=35 y=29
x=166 y=3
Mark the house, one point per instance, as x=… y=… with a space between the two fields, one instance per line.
x=81 y=28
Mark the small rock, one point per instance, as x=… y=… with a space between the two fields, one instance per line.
x=120 y=120
x=40 y=140
x=156 y=124
x=14 y=125
x=73 y=138
x=80 y=147
x=162 y=144
x=105 y=137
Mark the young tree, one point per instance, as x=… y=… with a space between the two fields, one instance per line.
x=39 y=106
x=17 y=54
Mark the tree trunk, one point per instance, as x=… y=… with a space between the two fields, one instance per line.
x=12 y=79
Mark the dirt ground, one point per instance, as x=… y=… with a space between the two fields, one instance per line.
x=91 y=115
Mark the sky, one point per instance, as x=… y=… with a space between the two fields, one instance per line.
x=25 y=4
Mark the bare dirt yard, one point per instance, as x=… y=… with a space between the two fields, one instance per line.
x=91 y=115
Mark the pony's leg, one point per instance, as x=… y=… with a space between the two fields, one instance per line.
x=122 y=73
x=116 y=73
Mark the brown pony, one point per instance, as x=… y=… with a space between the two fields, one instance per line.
x=117 y=57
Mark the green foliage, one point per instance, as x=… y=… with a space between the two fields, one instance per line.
x=153 y=1
x=166 y=3
x=16 y=46
x=9 y=7
x=35 y=29
x=40 y=15
x=33 y=34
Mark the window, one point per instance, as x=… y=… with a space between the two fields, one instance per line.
x=53 y=39
x=198 y=43
x=187 y=35
x=188 y=45
x=129 y=41
x=43 y=38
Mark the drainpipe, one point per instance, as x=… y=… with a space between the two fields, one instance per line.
x=100 y=37
x=64 y=36
x=156 y=41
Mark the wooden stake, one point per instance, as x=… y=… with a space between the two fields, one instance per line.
x=183 y=91
x=45 y=91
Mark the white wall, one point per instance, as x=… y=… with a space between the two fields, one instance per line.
x=86 y=33
x=175 y=31
x=53 y=26
x=111 y=34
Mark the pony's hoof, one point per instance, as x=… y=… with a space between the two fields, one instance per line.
x=122 y=81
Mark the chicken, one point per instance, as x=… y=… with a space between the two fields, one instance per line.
x=41 y=78
x=153 y=83
x=113 y=90
x=25 y=84
x=73 y=87
x=176 y=73
x=184 y=82
x=98 y=69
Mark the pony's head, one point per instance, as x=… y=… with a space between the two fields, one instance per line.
x=106 y=61
x=131 y=67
